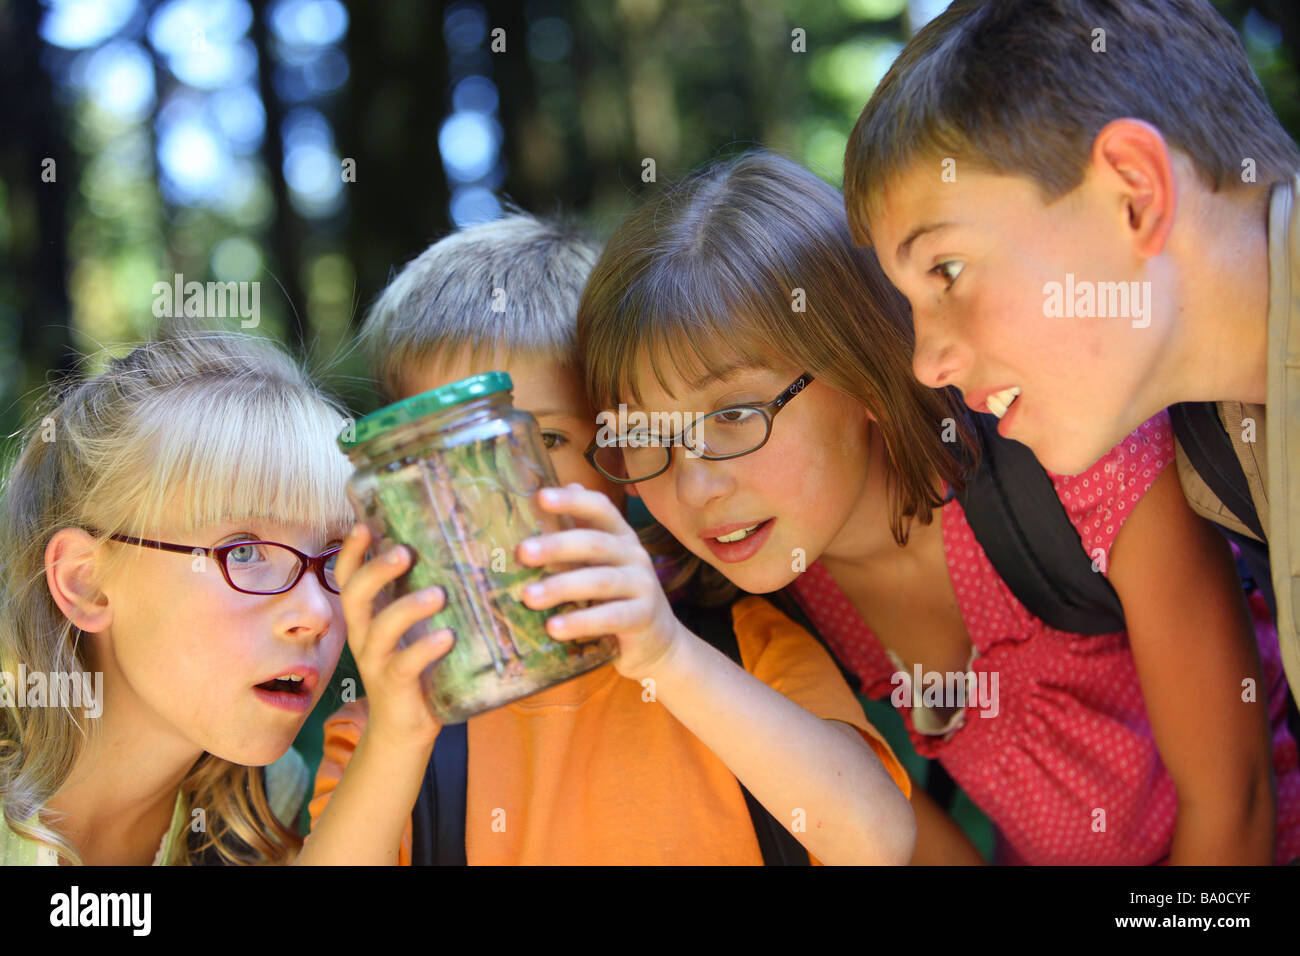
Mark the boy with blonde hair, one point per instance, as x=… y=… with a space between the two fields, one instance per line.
x=599 y=769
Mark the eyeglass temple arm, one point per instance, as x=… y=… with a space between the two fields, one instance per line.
x=160 y=545
x=795 y=387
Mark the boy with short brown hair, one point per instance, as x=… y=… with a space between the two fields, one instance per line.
x=1092 y=210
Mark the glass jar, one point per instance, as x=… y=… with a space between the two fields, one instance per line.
x=453 y=474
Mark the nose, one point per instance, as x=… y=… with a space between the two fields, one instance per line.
x=936 y=357
x=307 y=612
x=699 y=480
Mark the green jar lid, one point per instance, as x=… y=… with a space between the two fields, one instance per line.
x=426 y=403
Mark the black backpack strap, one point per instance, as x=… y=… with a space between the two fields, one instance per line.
x=777 y=844
x=1012 y=506
x=1209 y=449
x=438 y=818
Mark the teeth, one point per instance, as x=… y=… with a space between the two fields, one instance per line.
x=292 y=677
x=738 y=535
x=999 y=402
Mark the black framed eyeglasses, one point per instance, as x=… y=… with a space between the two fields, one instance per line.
x=256 y=567
x=727 y=433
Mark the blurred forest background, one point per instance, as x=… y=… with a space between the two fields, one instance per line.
x=314 y=145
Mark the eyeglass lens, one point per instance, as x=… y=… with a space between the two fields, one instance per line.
x=724 y=433
x=259 y=566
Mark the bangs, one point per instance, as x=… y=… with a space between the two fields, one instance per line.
x=248 y=451
x=747 y=262
x=696 y=319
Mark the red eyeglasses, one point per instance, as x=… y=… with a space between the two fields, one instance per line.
x=256 y=567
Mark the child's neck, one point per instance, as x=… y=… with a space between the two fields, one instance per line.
x=1219 y=349
x=119 y=798
x=866 y=540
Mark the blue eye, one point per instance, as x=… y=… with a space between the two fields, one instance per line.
x=244 y=554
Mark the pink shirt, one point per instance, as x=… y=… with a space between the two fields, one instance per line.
x=1067 y=769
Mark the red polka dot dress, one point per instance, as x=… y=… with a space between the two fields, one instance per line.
x=1065 y=765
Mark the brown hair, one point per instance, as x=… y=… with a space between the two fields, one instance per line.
x=713 y=268
x=1014 y=87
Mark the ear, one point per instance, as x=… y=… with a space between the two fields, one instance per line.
x=632 y=491
x=1131 y=156
x=69 y=573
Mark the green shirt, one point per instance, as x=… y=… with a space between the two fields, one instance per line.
x=287 y=781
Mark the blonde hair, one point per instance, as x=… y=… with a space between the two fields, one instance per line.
x=201 y=425
x=513 y=283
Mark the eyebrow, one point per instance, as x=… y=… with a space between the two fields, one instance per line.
x=905 y=247
x=710 y=377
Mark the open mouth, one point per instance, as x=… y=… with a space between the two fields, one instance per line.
x=741 y=534
x=286 y=684
x=740 y=544
x=999 y=402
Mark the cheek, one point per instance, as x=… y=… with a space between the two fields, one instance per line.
x=783 y=475
x=213 y=643
x=827 y=475
x=818 y=474
x=570 y=467
x=660 y=500
x=1009 y=310
x=1006 y=325
x=188 y=656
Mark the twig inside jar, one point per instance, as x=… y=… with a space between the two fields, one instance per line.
x=498 y=640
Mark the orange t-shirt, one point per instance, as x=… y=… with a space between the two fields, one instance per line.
x=589 y=773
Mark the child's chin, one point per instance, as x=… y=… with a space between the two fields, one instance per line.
x=753 y=577
x=256 y=754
